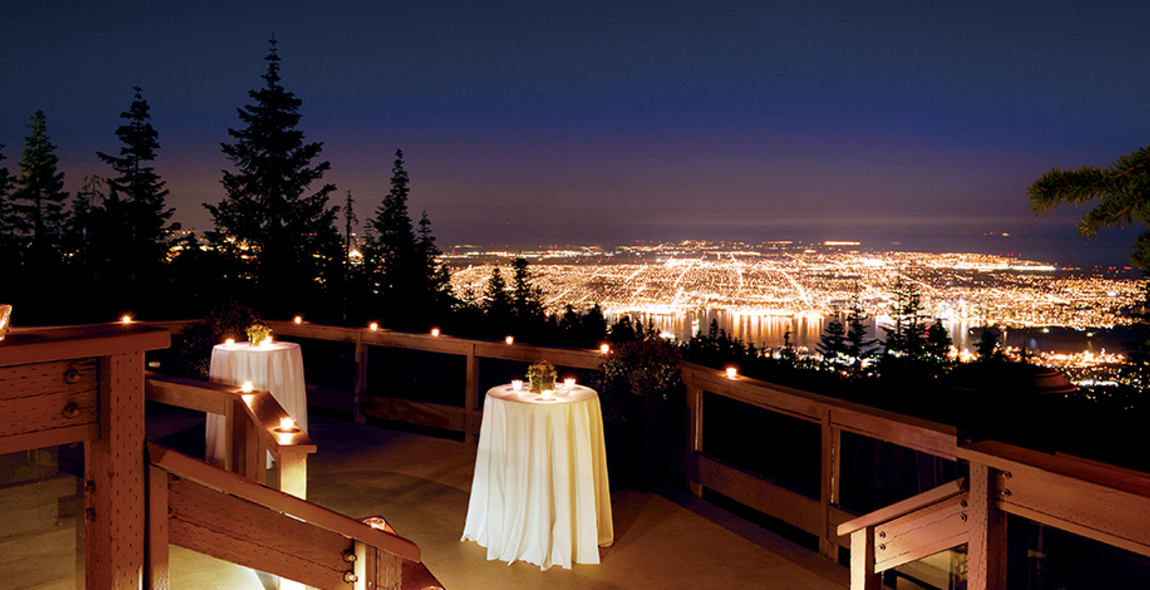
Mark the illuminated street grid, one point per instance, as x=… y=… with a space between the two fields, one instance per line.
x=794 y=280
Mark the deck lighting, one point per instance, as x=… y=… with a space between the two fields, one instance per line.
x=127 y=319
x=569 y=384
x=509 y=340
x=229 y=341
x=732 y=372
x=373 y=326
x=548 y=394
x=287 y=425
x=435 y=332
x=298 y=320
x=266 y=342
x=604 y=348
x=517 y=384
x=247 y=387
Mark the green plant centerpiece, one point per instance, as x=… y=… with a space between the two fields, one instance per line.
x=542 y=376
x=258 y=332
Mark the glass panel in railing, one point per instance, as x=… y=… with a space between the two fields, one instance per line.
x=191 y=569
x=775 y=446
x=417 y=375
x=42 y=518
x=875 y=473
x=945 y=570
x=1041 y=557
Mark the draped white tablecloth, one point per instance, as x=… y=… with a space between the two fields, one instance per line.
x=540 y=492
x=276 y=368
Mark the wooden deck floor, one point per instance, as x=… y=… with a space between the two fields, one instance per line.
x=663 y=540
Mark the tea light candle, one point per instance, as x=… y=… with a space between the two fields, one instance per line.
x=373 y=326
x=126 y=319
x=604 y=348
x=266 y=342
x=548 y=394
x=247 y=387
x=229 y=341
x=732 y=372
x=298 y=320
x=287 y=424
x=509 y=340
x=568 y=384
x=517 y=384
x=435 y=332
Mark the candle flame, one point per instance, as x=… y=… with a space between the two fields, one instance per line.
x=435 y=332
x=373 y=326
x=247 y=387
x=732 y=372
x=230 y=341
x=509 y=340
x=127 y=319
x=298 y=320
x=287 y=424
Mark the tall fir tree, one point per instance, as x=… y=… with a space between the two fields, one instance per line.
x=37 y=208
x=290 y=235
x=390 y=245
x=6 y=227
x=136 y=195
x=907 y=337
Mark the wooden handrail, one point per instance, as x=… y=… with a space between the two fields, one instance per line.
x=262 y=408
x=252 y=491
x=898 y=509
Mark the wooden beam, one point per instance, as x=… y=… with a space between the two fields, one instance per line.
x=911 y=504
x=245 y=488
x=226 y=527
x=746 y=488
x=863 y=575
x=156 y=575
x=471 y=397
x=38 y=345
x=114 y=467
x=828 y=480
x=49 y=438
x=986 y=545
x=46 y=396
x=191 y=394
x=360 y=386
x=694 y=434
x=293 y=474
x=924 y=532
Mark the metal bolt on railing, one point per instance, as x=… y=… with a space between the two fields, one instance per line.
x=350 y=577
x=1005 y=493
x=882 y=547
x=963 y=516
x=882 y=534
x=349 y=556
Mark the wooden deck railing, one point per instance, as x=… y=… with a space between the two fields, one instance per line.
x=196 y=506
x=250 y=422
x=87 y=384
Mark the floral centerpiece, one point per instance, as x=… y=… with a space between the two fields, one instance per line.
x=258 y=332
x=542 y=376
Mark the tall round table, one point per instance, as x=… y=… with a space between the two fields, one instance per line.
x=540 y=492
x=276 y=368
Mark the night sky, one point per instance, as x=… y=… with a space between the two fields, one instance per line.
x=920 y=122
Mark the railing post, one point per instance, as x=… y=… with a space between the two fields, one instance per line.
x=293 y=474
x=863 y=576
x=471 y=403
x=115 y=490
x=828 y=488
x=694 y=432
x=986 y=547
x=232 y=412
x=156 y=573
x=360 y=377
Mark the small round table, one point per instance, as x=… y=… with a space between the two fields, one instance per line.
x=540 y=492
x=276 y=368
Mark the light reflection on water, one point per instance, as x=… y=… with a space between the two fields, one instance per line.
x=766 y=331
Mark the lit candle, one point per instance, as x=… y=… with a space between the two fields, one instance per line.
x=547 y=393
x=568 y=384
x=247 y=387
x=127 y=319
x=230 y=341
x=732 y=372
x=266 y=341
x=509 y=340
x=287 y=424
x=435 y=332
x=298 y=320
x=517 y=384
x=604 y=348
x=373 y=326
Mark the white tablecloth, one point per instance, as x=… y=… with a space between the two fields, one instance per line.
x=540 y=492
x=276 y=368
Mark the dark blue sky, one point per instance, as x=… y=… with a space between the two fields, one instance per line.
x=610 y=121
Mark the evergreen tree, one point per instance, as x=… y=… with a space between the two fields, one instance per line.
x=987 y=347
x=1122 y=189
x=435 y=279
x=7 y=227
x=833 y=341
x=37 y=205
x=526 y=298
x=858 y=346
x=136 y=195
x=907 y=338
x=290 y=235
x=938 y=343
x=497 y=302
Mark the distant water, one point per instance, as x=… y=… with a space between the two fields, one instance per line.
x=770 y=331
